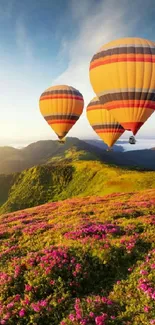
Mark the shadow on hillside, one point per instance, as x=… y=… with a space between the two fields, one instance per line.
x=37 y=186
x=102 y=277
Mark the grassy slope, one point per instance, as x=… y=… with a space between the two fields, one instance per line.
x=91 y=178
x=93 y=249
x=63 y=180
x=36 y=186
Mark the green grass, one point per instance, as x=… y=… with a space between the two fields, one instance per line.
x=95 y=178
x=61 y=179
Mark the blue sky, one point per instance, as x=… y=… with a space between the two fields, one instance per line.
x=48 y=42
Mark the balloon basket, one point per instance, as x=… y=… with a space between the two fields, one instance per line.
x=132 y=140
x=62 y=141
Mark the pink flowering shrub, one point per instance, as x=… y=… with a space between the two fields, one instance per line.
x=80 y=261
x=98 y=231
x=137 y=293
x=97 y=310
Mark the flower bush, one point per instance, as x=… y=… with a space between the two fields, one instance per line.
x=97 y=310
x=81 y=261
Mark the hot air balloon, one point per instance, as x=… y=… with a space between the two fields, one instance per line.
x=103 y=123
x=61 y=106
x=122 y=75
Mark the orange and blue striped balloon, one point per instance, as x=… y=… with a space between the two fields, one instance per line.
x=122 y=74
x=103 y=123
x=61 y=106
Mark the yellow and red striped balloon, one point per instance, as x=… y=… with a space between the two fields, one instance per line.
x=61 y=106
x=103 y=123
x=122 y=74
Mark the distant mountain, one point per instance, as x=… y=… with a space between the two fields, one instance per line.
x=100 y=144
x=42 y=152
x=62 y=178
x=139 y=158
x=15 y=160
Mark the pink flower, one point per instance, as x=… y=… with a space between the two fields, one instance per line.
x=78 y=267
x=10 y=305
x=99 y=320
x=28 y=287
x=36 y=307
x=52 y=282
x=78 y=314
x=106 y=246
x=83 y=322
x=26 y=301
x=71 y=317
x=109 y=302
x=143 y=272
x=7 y=316
x=146 y=309
x=43 y=303
x=22 y=312
x=17 y=298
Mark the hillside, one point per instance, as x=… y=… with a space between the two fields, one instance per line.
x=6 y=182
x=81 y=261
x=16 y=160
x=61 y=179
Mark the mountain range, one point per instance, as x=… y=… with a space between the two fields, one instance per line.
x=38 y=153
x=53 y=172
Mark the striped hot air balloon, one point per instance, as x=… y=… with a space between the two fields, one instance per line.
x=122 y=74
x=61 y=106
x=103 y=123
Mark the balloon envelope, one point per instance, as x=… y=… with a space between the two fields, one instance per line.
x=61 y=106
x=122 y=74
x=103 y=123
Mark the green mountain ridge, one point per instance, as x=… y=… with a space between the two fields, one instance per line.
x=58 y=172
x=16 y=160
x=63 y=178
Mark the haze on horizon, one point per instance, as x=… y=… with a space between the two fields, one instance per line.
x=44 y=43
